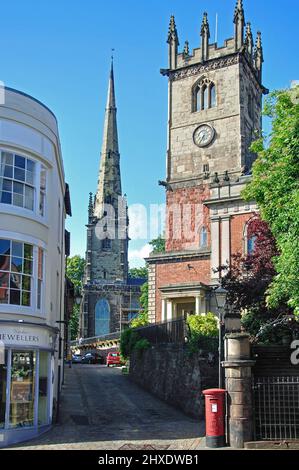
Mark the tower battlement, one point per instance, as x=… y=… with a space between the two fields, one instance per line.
x=242 y=42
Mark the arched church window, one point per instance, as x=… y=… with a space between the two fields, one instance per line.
x=102 y=318
x=251 y=241
x=203 y=242
x=203 y=95
x=250 y=238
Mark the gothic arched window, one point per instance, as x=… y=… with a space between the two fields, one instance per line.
x=203 y=95
x=102 y=318
x=203 y=242
x=249 y=238
x=251 y=241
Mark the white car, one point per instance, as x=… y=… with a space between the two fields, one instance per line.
x=76 y=359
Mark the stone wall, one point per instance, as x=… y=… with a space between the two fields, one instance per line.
x=170 y=373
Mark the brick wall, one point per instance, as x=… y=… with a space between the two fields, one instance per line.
x=238 y=223
x=185 y=212
x=179 y=273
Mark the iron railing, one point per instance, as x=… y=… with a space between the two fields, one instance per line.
x=169 y=332
x=276 y=407
x=175 y=332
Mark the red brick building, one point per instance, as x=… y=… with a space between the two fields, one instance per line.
x=215 y=103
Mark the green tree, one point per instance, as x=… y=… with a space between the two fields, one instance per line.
x=139 y=272
x=158 y=244
x=275 y=187
x=75 y=272
x=202 y=331
x=142 y=319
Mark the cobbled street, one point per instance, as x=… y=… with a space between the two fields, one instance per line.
x=101 y=409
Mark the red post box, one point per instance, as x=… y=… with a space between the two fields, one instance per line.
x=215 y=414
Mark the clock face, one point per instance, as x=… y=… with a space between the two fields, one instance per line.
x=204 y=135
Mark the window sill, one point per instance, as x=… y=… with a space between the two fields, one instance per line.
x=20 y=310
x=24 y=213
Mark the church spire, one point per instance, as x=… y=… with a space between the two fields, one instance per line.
x=109 y=183
x=205 y=36
x=239 y=20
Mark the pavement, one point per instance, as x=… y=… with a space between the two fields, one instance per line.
x=101 y=409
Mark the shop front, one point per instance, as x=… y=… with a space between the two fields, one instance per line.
x=26 y=381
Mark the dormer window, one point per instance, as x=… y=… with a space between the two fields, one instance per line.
x=204 y=95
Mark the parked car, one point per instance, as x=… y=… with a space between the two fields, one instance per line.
x=113 y=359
x=76 y=358
x=92 y=358
x=89 y=358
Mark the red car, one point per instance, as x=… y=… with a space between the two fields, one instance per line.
x=113 y=359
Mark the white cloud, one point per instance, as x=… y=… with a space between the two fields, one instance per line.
x=136 y=257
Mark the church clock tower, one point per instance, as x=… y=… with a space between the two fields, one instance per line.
x=215 y=103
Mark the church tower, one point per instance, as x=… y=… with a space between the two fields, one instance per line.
x=107 y=289
x=215 y=103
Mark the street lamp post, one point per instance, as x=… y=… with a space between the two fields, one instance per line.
x=221 y=302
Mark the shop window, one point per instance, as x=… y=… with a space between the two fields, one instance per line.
x=3 y=378
x=16 y=271
x=43 y=388
x=22 y=389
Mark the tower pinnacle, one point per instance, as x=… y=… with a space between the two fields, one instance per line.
x=173 y=41
x=205 y=36
x=249 y=41
x=258 y=55
x=239 y=21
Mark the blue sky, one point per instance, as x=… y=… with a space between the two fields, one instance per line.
x=59 y=52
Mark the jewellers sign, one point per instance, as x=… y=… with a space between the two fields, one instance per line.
x=23 y=336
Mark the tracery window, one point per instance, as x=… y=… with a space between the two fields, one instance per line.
x=204 y=95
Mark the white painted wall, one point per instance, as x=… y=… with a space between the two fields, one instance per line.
x=29 y=129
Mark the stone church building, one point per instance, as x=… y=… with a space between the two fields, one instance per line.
x=215 y=103
x=110 y=297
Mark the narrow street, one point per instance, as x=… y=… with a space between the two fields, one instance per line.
x=103 y=410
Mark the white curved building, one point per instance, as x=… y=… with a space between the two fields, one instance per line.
x=32 y=259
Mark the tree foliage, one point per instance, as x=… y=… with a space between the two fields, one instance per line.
x=142 y=318
x=203 y=329
x=75 y=271
x=275 y=187
x=250 y=275
x=136 y=273
x=158 y=245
